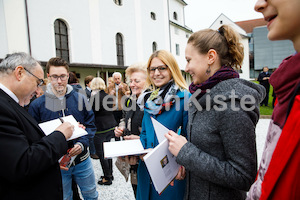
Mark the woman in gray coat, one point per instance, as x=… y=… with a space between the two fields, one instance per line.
x=219 y=158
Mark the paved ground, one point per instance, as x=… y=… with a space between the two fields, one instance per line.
x=121 y=190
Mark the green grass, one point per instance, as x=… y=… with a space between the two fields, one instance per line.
x=267 y=110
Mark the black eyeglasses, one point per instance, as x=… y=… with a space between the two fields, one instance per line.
x=160 y=68
x=63 y=77
x=40 y=81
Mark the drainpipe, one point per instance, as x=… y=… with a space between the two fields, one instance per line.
x=28 y=31
x=169 y=27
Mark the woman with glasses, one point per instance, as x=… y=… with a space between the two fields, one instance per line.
x=166 y=85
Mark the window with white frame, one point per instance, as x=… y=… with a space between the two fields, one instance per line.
x=175 y=16
x=119 y=46
x=154 y=46
x=118 y=2
x=177 y=50
x=153 y=15
x=61 y=40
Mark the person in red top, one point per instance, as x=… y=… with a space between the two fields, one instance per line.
x=278 y=175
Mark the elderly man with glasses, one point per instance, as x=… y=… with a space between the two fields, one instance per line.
x=29 y=160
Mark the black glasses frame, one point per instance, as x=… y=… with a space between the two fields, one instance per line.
x=160 y=68
x=41 y=81
x=63 y=77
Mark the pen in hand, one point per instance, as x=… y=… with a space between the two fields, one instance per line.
x=179 y=130
x=62 y=120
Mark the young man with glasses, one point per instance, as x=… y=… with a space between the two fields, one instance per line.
x=29 y=168
x=61 y=100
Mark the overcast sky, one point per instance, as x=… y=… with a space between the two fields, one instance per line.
x=200 y=14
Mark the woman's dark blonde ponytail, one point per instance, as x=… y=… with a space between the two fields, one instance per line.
x=235 y=55
x=225 y=41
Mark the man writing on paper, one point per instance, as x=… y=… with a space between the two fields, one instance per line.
x=61 y=100
x=29 y=167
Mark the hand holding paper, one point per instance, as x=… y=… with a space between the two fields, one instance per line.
x=176 y=142
x=160 y=162
x=52 y=125
x=180 y=175
x=66 y=128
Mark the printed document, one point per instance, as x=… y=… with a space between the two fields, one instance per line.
x=160 y=162
x=160 y=130
x=161 y=165
x=124 y=148
x=49 y=126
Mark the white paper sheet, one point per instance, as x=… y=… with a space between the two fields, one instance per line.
x=160 y=130
x=123 y=148
x=49 y=126
x=161 y=165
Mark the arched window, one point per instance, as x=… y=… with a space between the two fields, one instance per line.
x=118 y=2
x=119 y=45
x=153 y=15
x=177 y=50
x=175 y=16
x=61 y=40
x=154 y=46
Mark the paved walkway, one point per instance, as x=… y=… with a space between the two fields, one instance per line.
x=121 y=190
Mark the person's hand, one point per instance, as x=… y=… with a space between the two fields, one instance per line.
x=176 y=142
x=131 y=137
x=64 y=168
x=119 y=131
x=131 y=160
x=76 y=150
x=122 y=158
x=142 y=155
x=112 y=92
x=180 y=175
x=81 y=126
x=67 y=129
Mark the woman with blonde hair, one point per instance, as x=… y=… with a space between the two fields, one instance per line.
x=105 y=123
x=131 y=125
x=220 y=154
x=165 y=102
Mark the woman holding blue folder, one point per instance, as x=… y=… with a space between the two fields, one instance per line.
x=165 y=102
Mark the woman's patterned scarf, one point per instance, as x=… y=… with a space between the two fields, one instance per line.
x=155 y=102
x=222 y=74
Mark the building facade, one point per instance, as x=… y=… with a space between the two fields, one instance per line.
x=96 y=37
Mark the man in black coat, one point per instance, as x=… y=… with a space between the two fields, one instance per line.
x=29 y=168
x=263 y=79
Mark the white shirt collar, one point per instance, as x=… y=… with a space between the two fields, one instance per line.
x=10 y=93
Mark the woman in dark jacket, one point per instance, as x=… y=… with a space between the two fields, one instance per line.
x=105 y=123
x=131 y=125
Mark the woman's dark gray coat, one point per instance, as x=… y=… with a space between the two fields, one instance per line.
x=220 y=156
